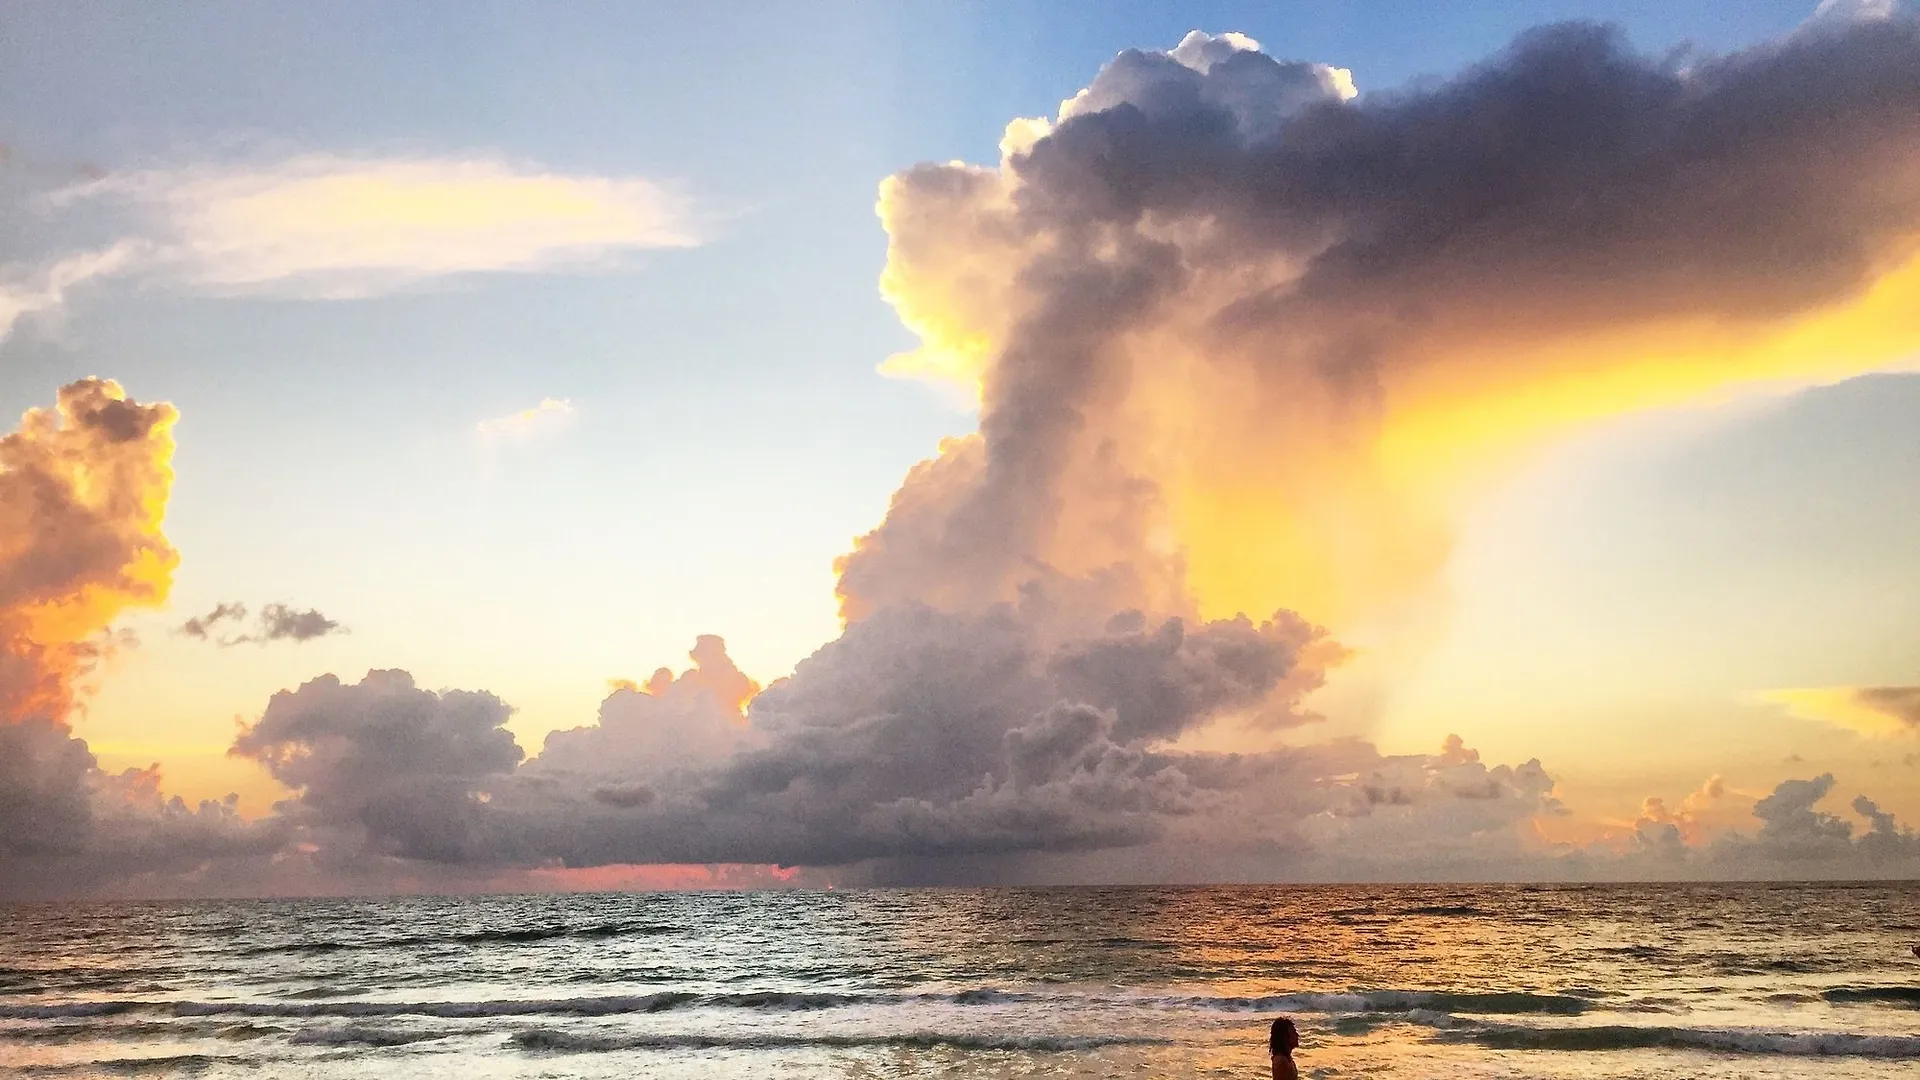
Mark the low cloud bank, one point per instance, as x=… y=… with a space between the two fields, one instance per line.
x=922 y=748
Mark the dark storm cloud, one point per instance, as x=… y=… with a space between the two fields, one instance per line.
x=922 y=731
x=45 y=805
x=1567 y=169
x=1900 y=703
x=1796 y=836
x=381 y=755
x=67 y=826
x=1156 y=683
x=917 y=732
x=1789 y=822
x=1310 y=256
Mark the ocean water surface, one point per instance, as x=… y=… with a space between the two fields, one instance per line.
x=1484 y=981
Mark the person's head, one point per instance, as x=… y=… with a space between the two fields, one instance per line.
x=1284 y=1037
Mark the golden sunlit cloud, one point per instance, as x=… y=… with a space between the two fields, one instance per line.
x=1688 y=820
x=328 y=226
x=1370 y=523
x=83 y=492
x=551 y=415
x=342 y=226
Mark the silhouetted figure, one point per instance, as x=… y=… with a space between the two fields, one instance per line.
x=1281 y=1042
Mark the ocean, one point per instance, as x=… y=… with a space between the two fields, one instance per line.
x=1716 y=981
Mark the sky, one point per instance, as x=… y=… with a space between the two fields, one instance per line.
x=1037 y=443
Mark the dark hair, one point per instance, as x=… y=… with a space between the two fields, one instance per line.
x=1283 y=1038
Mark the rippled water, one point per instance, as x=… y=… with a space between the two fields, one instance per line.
x=1512 y=981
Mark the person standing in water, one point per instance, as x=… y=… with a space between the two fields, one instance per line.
x=1281 y=1042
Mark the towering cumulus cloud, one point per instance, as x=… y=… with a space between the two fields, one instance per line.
x=394 y=763
x=1238 y=335
x=668 y=724
x=83 y=488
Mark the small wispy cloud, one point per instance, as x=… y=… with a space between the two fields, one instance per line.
x=29 y=290
x=203 y=626
x=276 y=622
x=551 y=415
x=1843 y=12
x=279 y=622
x=328 y=227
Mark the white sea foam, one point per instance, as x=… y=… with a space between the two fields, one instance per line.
x=358 y=1035
x=1393 y=1001
x=799 y=1001
x=1723 y=1040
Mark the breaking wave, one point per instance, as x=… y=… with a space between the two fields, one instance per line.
x=355 y=1035
x=1459 y=1017
x=1731 y=1041
x=170 y=1065
x=1908 y=996
x=1371 y=1001
x=472 y=937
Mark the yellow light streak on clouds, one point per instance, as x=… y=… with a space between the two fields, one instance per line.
x=363 y=223
x=325 y=226
x=1369 y=526
x=1453 y=422
x=549 y=416
x=1451 y=426
x=1853 y=708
